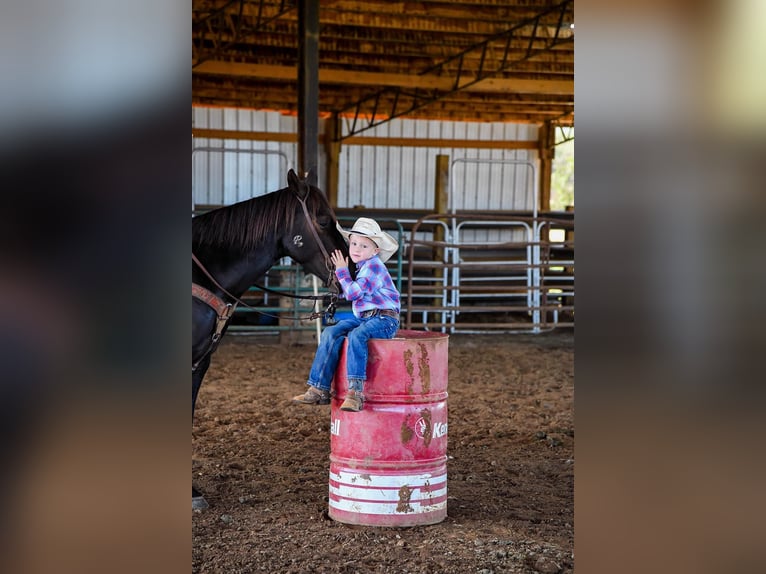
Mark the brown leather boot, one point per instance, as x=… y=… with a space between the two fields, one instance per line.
x=354 y=402
x=313 y=396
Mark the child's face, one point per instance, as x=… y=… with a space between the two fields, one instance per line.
x=361 y=248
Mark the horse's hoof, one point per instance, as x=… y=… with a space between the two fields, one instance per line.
x=199 y=503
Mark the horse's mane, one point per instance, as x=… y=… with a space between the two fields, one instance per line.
x=245 y=225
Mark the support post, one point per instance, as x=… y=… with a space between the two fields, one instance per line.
x=308 y=110
x=332 y=145
x=308 y=88
x=441 y=205
x=546 y=150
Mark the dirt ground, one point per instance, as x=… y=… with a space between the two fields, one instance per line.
x=263 y=466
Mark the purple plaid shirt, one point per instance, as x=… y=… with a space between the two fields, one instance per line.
x=373 y=288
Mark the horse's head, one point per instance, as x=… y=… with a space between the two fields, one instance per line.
x=314 y=234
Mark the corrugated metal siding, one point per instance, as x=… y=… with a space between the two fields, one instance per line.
x=386 y=177
x=369 y=176
x=241 y=169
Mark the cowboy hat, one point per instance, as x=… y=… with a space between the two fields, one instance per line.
x=369 y=228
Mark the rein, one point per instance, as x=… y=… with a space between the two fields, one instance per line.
x=329 y=312
x=240 y=301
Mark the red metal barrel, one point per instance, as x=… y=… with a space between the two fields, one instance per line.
x=388 y=463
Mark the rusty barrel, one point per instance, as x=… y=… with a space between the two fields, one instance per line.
x=388 y=463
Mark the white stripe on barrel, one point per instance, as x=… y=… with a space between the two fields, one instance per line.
x=385 y=494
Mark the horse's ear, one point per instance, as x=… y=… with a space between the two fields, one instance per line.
x=299 y=186
x=292 y=180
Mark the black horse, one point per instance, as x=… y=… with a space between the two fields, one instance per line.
x=234 y=246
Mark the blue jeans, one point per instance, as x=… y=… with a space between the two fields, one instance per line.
x=358 y=331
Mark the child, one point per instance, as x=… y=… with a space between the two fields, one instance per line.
x=376 y=309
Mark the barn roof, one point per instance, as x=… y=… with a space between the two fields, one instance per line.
x=467 y=60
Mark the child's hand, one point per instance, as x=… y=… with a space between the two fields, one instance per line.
x=338 y=260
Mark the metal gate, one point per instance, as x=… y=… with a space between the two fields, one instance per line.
x=521 y=281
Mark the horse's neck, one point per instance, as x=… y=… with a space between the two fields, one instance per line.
x=239 y=275
x=256 y=271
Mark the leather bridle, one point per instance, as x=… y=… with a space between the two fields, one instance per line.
x=313 y=229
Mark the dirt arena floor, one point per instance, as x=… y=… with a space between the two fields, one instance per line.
x=263 y=465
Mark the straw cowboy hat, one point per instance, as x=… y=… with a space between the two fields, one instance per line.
x=369 y=228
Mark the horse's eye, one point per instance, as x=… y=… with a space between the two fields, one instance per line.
x=323 y=221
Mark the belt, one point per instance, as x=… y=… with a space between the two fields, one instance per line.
x=376 y=312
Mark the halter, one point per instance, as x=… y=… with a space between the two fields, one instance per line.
x=313 y=229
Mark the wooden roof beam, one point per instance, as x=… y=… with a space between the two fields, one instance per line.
x=367 y=79
x=462 y=115
x=485 y=20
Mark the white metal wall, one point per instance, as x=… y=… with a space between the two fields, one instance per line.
x=242 y=169
x=404 y=177
x=369 y=176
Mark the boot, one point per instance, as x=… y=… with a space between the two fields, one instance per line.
x=313 y=396
x=354 y=402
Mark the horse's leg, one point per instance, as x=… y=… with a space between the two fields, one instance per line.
x=198 y=500
x=197 y=377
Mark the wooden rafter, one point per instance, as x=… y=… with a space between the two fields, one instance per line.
x=426 y=82
x=434 y=59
